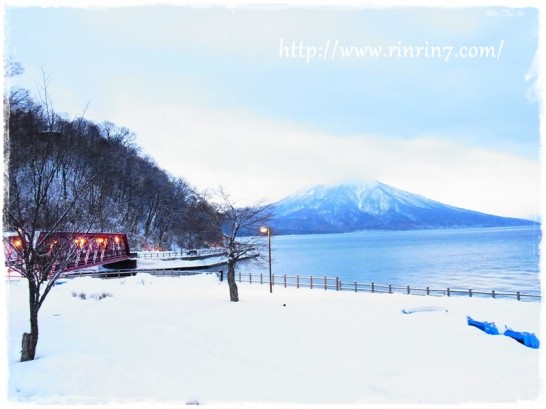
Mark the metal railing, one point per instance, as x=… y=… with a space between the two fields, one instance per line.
x=179 y=254
x=334 y=283
x=315 y=282
x=132 y=272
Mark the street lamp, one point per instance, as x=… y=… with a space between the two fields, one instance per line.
x=265 y=229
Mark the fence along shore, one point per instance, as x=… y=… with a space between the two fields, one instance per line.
x=334 y=283
x=312 y=282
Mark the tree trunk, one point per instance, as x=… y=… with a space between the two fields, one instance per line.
x=233 y=291
x=30 y=341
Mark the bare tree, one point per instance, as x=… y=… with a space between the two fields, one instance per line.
x=13 y=95
x=240 y=227
x=12 y=68
x=42 y=201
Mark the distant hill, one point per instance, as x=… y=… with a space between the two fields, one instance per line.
x=373 y=206
x=130 y=193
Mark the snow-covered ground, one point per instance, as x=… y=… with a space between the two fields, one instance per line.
x=180 y=340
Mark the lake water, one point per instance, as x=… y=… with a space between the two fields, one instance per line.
x=500 y=259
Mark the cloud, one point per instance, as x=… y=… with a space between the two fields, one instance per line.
x=255 y=158
x=162 y=78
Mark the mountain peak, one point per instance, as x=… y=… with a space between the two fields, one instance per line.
x=356 y=206
x=319 y=191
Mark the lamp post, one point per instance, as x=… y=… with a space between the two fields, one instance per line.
x=265 y=229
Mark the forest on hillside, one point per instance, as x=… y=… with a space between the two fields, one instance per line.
x=99 y=170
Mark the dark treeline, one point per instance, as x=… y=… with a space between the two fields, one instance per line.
x=128 y=192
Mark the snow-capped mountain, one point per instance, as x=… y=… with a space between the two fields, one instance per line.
x=374 y=205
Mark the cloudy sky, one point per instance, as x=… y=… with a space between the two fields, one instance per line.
x=268 y=100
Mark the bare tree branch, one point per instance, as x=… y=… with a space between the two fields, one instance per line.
x=239 y=226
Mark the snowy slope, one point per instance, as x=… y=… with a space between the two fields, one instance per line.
x=375 y=205
x=179 y=340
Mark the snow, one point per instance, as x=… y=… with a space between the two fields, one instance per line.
x=180 y=340
x=144 y=263
x=372 y=197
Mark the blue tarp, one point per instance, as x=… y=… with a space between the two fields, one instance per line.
x=526 y=338
x=487 y=327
